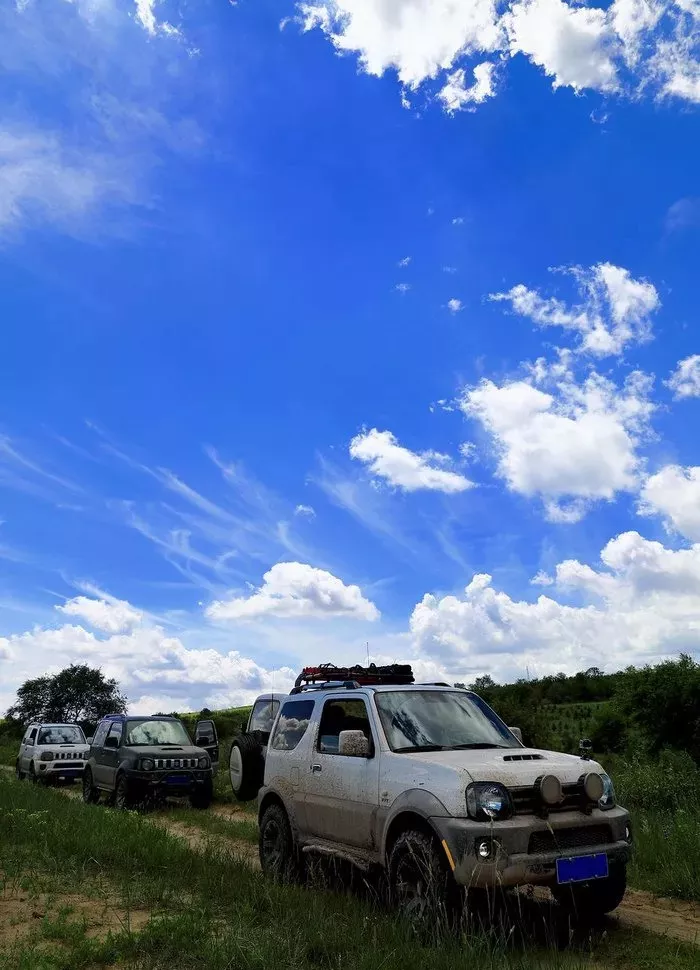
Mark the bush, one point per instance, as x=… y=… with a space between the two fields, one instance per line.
x=608 y=730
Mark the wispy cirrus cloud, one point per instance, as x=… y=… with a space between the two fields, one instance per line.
x=111 y=65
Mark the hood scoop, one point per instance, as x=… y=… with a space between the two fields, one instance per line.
x=523 y=757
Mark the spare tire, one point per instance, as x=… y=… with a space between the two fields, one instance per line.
x=246 y=767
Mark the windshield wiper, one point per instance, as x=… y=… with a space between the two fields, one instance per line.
x=419 y=747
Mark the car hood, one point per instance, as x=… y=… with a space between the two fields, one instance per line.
x=157 y=751
x=512 y=767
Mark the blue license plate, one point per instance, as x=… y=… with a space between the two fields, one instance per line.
x=178 y=779
x=581 y=868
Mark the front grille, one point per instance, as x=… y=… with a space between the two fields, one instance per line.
x=526 y=801
x=574 y=838
x=66 y=756
x=163 y=763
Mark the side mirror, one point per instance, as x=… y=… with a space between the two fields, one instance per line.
x=112 y=742
x=89 y=740
x=353 y=744
x=517 y=732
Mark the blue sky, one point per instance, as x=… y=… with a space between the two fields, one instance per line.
x=317 y=316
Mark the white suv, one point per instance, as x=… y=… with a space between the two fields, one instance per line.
x=52 y=751
x=429 y=784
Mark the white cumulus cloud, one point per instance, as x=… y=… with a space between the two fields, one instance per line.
x=641 y=606
x=628 y=47
x=405 y=469
x=113 y=616
x=457 y=94
x=685 y=380
x=570 y=447
x=674 y=493
x=615 y=309
x=296 y=590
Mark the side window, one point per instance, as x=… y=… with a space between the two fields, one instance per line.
x=31 y=737
x=263 y=715
x=115 y=731
x=292 y=724
x=342 y=715
x=100 y=734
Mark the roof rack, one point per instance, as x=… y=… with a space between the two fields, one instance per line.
x=328 y=676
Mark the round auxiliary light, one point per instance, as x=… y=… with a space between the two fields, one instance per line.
x=593 y=786
x=484 y=849
x=550 y=790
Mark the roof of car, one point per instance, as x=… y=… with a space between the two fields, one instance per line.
x=139 y=717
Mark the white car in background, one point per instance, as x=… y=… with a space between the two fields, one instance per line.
x=52 y=751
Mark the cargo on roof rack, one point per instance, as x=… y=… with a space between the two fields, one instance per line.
x=346 y=676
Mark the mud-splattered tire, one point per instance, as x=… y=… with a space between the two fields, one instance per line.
x=591 y=900
x=246 y=767
x=33 y=777
x=91 y=795
x=421 y=886
x=279 y=856
x=123 y=798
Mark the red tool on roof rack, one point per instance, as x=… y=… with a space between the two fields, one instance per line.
x=362 y=676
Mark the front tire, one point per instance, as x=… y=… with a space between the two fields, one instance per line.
x=19 y=774
x=123 y=799
x=592 y=900
x=421 y=885
x=91 y=795
x=279 y=857
x=32 y=774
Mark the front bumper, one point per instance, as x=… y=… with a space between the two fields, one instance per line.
x=174 y=782
x=521 y=853
x=59 y=769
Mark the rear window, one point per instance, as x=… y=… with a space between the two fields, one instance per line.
x=292 y=725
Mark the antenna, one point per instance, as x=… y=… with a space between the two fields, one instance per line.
x=367 y=653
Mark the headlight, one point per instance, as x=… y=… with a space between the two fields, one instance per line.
x=487 y=802
x=203 y=762
x=46 y=756
x=608 y=798
x=147 y=764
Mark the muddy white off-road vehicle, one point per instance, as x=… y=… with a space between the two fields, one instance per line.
x=428 y=783
x=52 y=752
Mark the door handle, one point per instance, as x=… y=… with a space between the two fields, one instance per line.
x=315 y=768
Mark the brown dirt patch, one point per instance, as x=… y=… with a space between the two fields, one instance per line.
x=199 y=839
x=668 y=917
x=20 y=913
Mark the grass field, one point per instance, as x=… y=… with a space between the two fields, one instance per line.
x=71 y=865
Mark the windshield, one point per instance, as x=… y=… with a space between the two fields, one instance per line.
x=431 y=720
x=61 y=734
x=156 y=732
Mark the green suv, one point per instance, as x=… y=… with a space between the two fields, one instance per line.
x=133 y=760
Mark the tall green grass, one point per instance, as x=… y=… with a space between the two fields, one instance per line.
x=663 y=797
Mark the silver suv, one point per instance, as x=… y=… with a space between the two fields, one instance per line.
x=428 y=783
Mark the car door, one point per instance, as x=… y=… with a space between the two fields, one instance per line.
x=26 y=752
x=96 y=750
x=342 y=792
x=288 y=754
x=108 y=756
x=206 y=736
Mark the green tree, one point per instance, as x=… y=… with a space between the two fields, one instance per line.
x=663 y=703
x=608 y=730
x=79 y=694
